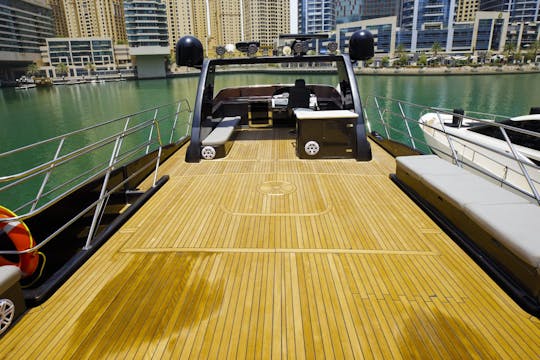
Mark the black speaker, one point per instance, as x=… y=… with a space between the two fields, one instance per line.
x=361 y=45
x=189 y=51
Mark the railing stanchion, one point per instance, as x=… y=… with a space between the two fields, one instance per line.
x=175 y=121
x=157 y=167
x=99 y=205
x=450 y=143
x=151 y=132
x=521 y=165
x=382 y=118
x=404 y=117
x=47 y=175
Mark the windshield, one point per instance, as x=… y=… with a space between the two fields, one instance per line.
x=517 y=138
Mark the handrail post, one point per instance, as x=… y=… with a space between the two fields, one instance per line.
x=175 y=121
x=99 y=205
x=160 y=142
x=454 y=153
x=382 y=118
x=151 y=131
x=407 y=125
x=520 y=163
x=157 y=167
x=47 y=175
x=122 y=136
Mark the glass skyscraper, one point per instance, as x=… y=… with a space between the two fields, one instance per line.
x=355 y=10
x=425 y=22
x=520 y=10
x=315 y=16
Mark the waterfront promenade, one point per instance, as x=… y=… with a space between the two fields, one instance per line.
x=407 y=70
x=444 y=70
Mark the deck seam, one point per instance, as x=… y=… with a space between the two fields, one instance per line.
x=280 y=251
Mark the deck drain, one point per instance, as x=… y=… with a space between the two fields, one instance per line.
x=277 y=188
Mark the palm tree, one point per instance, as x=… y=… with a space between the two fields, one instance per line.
x=32 y=69
x=535 y=46
x=90 y=67
x=435 y=50
x=62 y=69
x=509 y=49
x=534 y=49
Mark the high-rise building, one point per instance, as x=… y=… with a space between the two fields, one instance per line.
x=146 y=24
x=378 y=9
x=265 y=20
x=59 y=17
x=230 y=22
x=221 y=22
x=356 y=10
x=179 y=20
x=213 y=22
x=466 y=10
x=348 y=11
x=24 y=25
x=520 y=10
x=316 y=16
x=425 y=22
x=93 y=18
x=148 y=36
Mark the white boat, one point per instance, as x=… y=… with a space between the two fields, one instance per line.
x=25 y=86
x=481 y=145
x=25 y=83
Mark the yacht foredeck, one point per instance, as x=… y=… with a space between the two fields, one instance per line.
x=264 y=255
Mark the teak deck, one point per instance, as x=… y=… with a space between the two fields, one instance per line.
x=263 y=255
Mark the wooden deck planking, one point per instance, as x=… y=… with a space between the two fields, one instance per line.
x=343 y=266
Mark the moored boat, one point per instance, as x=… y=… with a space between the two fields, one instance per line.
x=484 y=146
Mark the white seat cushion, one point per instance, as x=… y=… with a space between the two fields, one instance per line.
x=516 y=226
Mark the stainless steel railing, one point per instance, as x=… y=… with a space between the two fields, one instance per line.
x=70 y=161
x=399 y=121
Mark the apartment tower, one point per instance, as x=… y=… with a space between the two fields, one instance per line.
x=466 y=10
x=265 y=20
x=91 y=18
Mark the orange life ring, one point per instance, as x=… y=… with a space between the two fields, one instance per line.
x=20 y=236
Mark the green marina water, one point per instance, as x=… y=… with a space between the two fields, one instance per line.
x=36 y=114
x=41 y=113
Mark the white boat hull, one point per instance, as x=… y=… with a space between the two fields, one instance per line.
x=487 y=157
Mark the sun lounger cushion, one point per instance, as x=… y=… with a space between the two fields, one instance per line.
x=9 y=275
x=510 y=219
x=516 y=226
x=222 y=133
x=465 y=188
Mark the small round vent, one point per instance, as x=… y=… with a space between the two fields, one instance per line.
x=208 y=153
x=312 y=148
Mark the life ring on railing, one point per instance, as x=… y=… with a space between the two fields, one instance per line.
x=18 y=233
